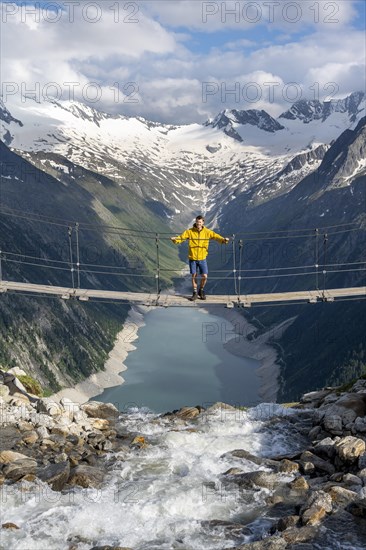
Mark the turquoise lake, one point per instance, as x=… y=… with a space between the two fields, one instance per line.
x=180 y=360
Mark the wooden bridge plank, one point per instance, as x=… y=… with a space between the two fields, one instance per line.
x=178 y=300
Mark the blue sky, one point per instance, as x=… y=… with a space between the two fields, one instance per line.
x=160 y=58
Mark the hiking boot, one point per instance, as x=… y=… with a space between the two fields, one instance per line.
x=194 y=296
x=202 y=294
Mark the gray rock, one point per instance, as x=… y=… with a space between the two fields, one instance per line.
x=86 y=476
x=333 y=424
x=286 y=522
x=342 y=496
x=352 y=482
x=49 y=407
x=293 y=535
x=260 y=478
x=359 y=386
x=319 y=463
x=350 y=448
x=4 y=391
x=270 y=543
x=56 y=475
x=315 y=398
x=325 y=448
x=360 y=425
x=95 y=409
x=348 y=407
x=188 y=413
x=8 y=456
x=19 y=468
x=315 y=508
x=357 y=508
x=242 y=453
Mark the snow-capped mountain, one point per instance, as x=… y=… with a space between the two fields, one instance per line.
x=308 y=111
x=185 y=168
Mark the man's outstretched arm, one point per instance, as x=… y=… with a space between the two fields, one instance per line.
x=219 y=238
x=180 y=238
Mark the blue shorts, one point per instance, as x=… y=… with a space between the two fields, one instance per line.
x=198 y=266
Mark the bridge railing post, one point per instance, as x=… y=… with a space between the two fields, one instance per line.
x=317 y=259
x=157 y=276
x=77 y=252
x=234 y=265
x=69 y=232
x=240 y=268
x=325 y=242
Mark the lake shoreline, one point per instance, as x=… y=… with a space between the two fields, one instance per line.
x=235 y=341
x=110 y=376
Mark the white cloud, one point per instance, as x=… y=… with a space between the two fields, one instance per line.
x=218 y=15
x=161 y=78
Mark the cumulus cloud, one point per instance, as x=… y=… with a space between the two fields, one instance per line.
x=154 y=67
x=217 y=15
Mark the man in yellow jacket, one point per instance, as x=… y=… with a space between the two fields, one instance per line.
x=199 y=238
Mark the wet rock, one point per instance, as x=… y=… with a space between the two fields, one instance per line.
x=95 y=409
x=30 y=438
x=299 y=484
x=61 y=458
x=325 y=448
x=260 y=478
x=56 y=475
x=9 y=525
x=319 y=463
x=42 y=432
x=188 y=413
x=314 y=432
x=333 y=424
x=293 y=535
x=100 y=424
x=286 y=522
x=10 y=456
x=315 y=508
x=242 y=453
x=233 y=471
x=139 y=442
x=357 y=508
x=360 y=425
x=220 y=406
x=307 y=468
x=86 y=476
x=362 y=461
x=19 y=468
x=230 y=529
x=270 y=543
x=350 y=448
x=341 y=496
x=288 y=466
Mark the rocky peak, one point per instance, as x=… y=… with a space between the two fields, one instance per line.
x=6 y=116
x=229 y=119
x=309 y=110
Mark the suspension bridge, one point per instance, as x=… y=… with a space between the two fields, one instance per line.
x=237 y=275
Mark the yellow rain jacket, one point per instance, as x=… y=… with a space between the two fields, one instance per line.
x=198 y=241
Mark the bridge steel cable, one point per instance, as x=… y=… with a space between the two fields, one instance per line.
x=31 y=216
x=238 y=272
